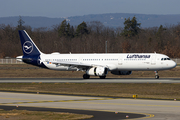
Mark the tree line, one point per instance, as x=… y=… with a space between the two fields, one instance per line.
x=91 y=37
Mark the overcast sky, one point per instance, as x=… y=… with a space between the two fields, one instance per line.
x=67 y=8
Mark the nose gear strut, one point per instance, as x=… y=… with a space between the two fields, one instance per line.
x=156 y=74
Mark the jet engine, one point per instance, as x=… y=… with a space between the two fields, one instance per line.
x=97 y=71
x=115 y=72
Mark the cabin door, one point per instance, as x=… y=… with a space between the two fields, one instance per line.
x=120 y=61
x=153 y=60
x=80 y=60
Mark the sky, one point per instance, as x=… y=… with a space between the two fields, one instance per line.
x=67 y=8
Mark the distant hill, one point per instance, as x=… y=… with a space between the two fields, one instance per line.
x=110 y=19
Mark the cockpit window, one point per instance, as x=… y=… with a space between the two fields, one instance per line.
x=165 y=59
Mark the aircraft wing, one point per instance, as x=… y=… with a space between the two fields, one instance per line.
x=76 y=64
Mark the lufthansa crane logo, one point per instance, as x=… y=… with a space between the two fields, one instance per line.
x=27 y=47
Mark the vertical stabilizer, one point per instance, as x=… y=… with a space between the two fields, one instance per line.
x=28 y=46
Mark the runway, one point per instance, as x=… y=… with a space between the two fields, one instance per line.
x=102 y=106
x=92 y=80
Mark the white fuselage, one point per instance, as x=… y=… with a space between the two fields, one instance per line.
x=123 y=61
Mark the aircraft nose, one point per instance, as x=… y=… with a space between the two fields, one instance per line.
x=173 y=64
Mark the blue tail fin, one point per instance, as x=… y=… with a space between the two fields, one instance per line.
x=28 y=46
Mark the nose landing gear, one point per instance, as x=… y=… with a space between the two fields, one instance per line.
x=156 y=74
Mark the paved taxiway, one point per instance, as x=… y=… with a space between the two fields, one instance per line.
x=97 y=115
x=152 y=109
x=92 y=80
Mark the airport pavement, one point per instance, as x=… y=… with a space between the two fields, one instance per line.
x=151 y=109
x=97 y=115
x=92 y=80
x=16 y=101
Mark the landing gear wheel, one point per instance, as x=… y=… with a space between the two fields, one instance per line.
x=85 y=76
x=102 y=77
x=157 y=76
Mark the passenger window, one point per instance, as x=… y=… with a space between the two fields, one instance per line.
x=161 y=58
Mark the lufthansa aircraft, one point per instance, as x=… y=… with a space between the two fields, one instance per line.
x=94 y=64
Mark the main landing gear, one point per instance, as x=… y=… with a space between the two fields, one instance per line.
x=86 y=76
x=156 y=74
x=102 y=77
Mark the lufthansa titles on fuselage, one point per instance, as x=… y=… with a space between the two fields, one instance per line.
x=138 y=56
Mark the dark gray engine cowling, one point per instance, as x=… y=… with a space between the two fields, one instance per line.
x=115 y=72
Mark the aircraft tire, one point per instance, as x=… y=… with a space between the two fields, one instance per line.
x=157 y=76
x=102 y=77
x=85 y=76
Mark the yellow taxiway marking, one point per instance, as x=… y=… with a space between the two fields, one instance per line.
x=15 y=98
x=129 y=104
x=57 y=101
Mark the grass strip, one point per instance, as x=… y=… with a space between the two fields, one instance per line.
x=143 y=90
x=38 y=115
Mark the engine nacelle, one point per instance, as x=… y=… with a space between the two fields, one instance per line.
x=97 y=71
x=115 y=72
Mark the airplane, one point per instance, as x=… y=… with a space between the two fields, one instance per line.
x=94 y=64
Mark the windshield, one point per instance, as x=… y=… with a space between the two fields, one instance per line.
x=165 y=59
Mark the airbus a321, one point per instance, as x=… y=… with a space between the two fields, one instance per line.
x=94 y=64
